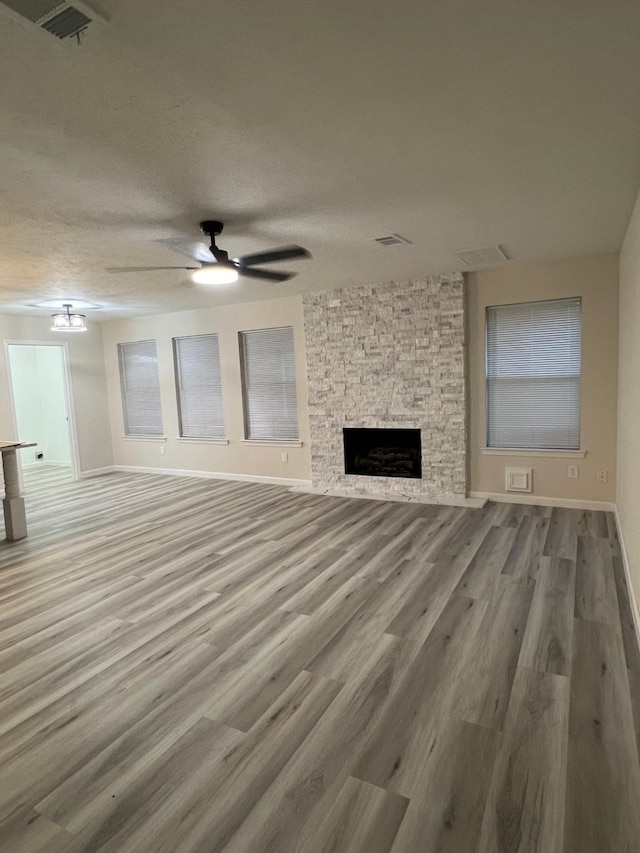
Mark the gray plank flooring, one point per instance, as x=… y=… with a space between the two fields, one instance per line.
x=198 y=666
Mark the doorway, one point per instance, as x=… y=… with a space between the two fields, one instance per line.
x=42 y=411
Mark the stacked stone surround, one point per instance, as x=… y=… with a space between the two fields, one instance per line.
x=389 y=356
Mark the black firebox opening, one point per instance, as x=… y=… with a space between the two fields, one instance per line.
x=383 y=452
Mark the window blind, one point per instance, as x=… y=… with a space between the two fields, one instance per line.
x=533 y=375
x=140 y=385
x=199 y=386
x=269 y=384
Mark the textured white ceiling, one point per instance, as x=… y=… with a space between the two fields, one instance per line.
x=319 y=122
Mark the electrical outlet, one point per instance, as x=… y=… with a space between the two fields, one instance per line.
x=602 y=476
x=572 y=472
x=284 y=457
x=162 y=450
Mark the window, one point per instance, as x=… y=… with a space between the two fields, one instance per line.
x=199 y=386
x=269 y=384
x=140 y=388
x=533 y=375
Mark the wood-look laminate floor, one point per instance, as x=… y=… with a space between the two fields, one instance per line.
x=194 y=666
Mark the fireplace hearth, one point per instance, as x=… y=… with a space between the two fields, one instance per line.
x=383 y=452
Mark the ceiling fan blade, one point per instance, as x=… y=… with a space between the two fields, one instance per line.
x=283 y=254
x=195 y=251
x=146 y=269
x=268 y=275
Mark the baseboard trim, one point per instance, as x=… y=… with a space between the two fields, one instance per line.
x=210 y=475
x=635 y=610
x=540 y=500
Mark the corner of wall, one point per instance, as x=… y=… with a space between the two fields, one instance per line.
x=628 y=481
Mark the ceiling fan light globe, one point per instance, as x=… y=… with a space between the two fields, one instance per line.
x=215 y=274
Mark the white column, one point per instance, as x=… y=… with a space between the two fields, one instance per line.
x=15 y=519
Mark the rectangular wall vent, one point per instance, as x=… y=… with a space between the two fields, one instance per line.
x=391 y=240
x=484 y=257
x=61 y=18
x=518 y=479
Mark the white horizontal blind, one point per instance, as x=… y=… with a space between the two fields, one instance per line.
x=269 y=384
x=533 y=375
x=199 y=386
x=140 y=388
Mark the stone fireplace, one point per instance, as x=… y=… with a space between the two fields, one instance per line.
x=388 y=357
x=382 y=452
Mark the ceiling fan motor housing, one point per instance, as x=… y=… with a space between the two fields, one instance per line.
x=211 y=227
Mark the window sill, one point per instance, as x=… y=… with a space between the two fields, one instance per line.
x=275 y=442
x=154 y=438
x=189 y=440
x=515 y=451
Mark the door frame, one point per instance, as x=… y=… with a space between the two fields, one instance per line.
x=68 y=387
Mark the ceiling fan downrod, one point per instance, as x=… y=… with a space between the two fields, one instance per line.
x=212 y=228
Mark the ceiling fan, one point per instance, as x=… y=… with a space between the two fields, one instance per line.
x=224 y=271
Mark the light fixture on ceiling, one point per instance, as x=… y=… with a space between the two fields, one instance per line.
x=215 y=274
x=68 y=322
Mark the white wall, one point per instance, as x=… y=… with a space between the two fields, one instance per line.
x=87 y=380
x=628 y=498
x=595 y=280
x=238 y=457
x=39 y=396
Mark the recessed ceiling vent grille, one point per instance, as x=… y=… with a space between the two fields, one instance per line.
x=67 y=23
x=485 y=257
x=391 y=240
x=61 y=18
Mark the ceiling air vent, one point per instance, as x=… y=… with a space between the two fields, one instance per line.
x=487 y=256
x=61 y=18
x=67 y=23
x=391 y=240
